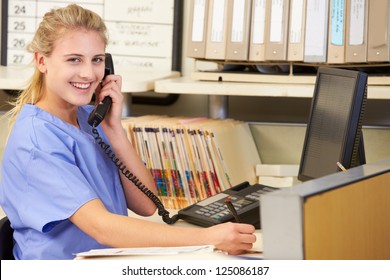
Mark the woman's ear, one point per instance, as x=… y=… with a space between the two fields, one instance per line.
x=40 y=62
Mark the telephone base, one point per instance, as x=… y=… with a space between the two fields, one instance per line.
x=212 y=211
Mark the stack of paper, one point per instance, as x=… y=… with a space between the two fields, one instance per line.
x=277 y=175
x=146 y=251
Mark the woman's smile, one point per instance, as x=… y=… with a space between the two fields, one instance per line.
x=81 y=85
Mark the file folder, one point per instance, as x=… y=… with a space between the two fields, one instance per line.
x=378 y=31
x=356 y=31
x=296 y=27
x=336 y=31
x=237 y=47
x=257 y=36
x=197 y=29
x=316 y=31
x=216 y=29
x=277 y=12
x=191 y=159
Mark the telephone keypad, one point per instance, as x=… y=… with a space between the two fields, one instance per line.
x=213 y=210
x=218 y=210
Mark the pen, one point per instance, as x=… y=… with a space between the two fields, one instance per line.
x=341 y=166
x=229 y=204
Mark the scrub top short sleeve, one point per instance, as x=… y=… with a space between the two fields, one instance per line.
x=49 y=170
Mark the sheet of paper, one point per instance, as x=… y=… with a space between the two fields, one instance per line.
x=146 y=251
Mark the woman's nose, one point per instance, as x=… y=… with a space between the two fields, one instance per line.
x=87 y=71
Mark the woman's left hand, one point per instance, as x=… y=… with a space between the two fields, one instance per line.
x=111 y=87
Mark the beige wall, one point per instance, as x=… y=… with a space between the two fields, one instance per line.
x=282 y=143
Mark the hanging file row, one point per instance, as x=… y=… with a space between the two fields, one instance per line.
x=309 y=31
x=191 y=159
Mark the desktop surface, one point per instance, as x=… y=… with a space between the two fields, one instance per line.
x=169 y=253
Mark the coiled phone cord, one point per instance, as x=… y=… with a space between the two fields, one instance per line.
x=122 y=168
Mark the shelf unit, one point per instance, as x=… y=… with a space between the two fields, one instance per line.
x=219 y=86
x=17 y=77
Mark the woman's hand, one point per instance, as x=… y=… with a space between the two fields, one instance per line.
x=111 y=86
x=232 y=238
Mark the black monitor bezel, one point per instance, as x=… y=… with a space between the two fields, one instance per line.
x=353 y=153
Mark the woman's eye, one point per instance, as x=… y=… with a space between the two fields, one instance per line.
x=98 y=59
x=74 y=59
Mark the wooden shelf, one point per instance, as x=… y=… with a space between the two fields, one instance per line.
x=270 y=86
x=16 y=78
x=272 y=79
x=188 y=86
x=261 y=85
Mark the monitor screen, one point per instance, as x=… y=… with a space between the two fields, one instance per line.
x=334 y=128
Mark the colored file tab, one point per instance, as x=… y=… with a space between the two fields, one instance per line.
x=191 y=159
x=336 y=42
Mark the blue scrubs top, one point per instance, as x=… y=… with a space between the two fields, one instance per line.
x=49 y=170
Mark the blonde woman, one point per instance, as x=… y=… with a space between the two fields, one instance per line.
x=59 y=189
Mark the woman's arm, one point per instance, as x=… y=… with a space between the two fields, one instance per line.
x=121 y=231
x=137 y=201
x=112 y=126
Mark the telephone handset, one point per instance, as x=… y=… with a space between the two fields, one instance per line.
x=98 y=113
x=94 y=119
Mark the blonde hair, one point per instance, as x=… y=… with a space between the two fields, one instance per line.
x=54 y=25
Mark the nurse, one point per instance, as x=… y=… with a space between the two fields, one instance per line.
x=61 y=192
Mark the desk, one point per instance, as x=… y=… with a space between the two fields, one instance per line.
x=258 y=246
x=16 y=78
x=341 y=216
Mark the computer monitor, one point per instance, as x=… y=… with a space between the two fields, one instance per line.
x=334 y=128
